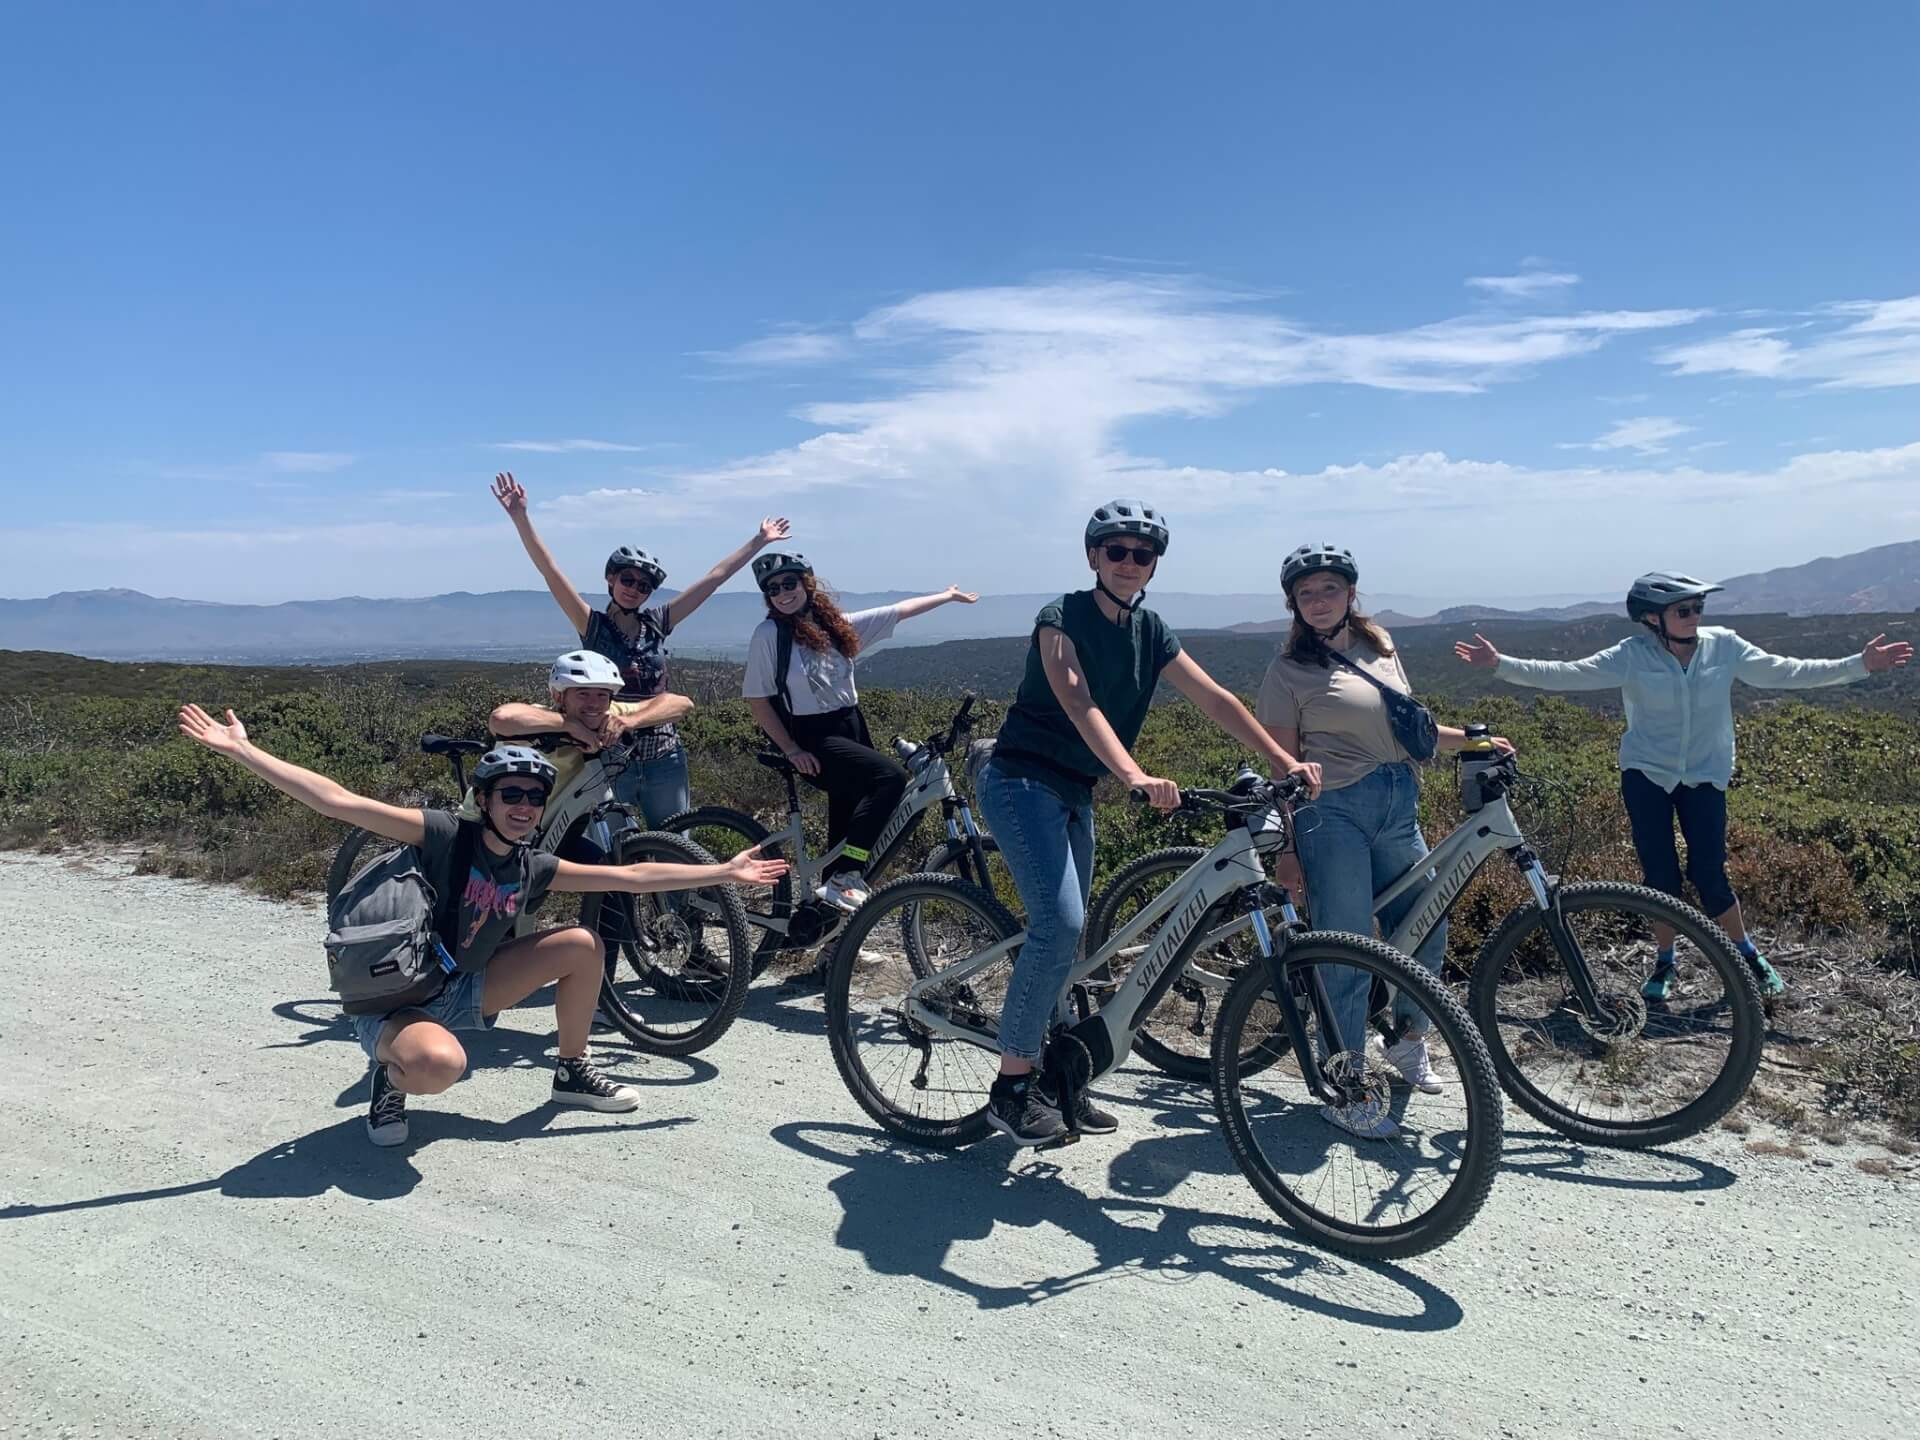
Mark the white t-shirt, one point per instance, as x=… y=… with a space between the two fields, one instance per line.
x=817 y=682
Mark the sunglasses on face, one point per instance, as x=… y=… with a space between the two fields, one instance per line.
x=1140 y=554
x=634 y=582
x=1687 y=612
x=518 y=795
x=786 y=585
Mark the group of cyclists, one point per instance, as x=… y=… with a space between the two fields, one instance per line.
x=1326 y=712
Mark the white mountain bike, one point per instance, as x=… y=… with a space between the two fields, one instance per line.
x=678 y=963
x=919 y=976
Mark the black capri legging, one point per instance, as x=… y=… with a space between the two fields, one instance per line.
x=862 y=785
x=1702 y=812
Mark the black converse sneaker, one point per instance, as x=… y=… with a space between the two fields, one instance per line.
x=579 y=1082
x=387 y=1115
x=1018 y=1108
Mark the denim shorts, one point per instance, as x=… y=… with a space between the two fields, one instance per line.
x=457 y=1007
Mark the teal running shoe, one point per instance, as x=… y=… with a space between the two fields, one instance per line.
x=1659 y=985
x=1769 y=978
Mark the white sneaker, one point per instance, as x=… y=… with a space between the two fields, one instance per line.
x=1362 y=1118
x=845 y=891
x=1408 y=1055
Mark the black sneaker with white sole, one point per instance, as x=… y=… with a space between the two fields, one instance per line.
x=579 y=1082
x=1019 y=1109
x=387 y=1115
x=1089 y=1118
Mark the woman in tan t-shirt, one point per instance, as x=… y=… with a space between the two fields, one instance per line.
x=1364 y=830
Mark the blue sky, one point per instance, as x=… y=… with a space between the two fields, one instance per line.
x=1516 y=301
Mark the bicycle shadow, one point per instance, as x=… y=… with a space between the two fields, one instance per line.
x=904 y=1210
x=499 y=1048
x=338 y=1157
x=793 y=1008
x=1549 y=1155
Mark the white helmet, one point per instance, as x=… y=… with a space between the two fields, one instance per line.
x=583 y=670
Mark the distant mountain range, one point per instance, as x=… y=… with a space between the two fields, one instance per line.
x=524 y=624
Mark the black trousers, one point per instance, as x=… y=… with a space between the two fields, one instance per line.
x=1702 y=813
x=862 y=785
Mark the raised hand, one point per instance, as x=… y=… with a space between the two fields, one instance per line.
x=1478 y=652
x=511 y=494
x=774 y=527
x=1885 y=657
x=964 y=597
x=748 y=868
x=229 y=739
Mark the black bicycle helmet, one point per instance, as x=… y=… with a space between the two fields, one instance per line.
x=629 y=558
x=1128 y=517
x=505 y=760
x=774 y=562
x=1657 y=589
x=1309 y=558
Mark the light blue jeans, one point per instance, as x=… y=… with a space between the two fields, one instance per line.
x=1354 y=842
x=658 y=788
x=1048 y=846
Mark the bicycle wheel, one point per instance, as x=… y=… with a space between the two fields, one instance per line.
x=725 y=833
x=1428 y=1170
x=1176 y=1038
x=1653 y=1070
x=677 y=972
x=925 y=1088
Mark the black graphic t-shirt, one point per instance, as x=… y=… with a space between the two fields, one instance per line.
x=494 y=892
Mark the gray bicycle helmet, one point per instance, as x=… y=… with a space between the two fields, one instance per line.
x=1657 y=589
x=774 y=562
x=629 y=558
x=505 y=760
x=1128 y=517
x=1309 y=558
x=583 y=670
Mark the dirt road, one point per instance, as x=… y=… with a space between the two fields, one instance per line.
x=196 y=1239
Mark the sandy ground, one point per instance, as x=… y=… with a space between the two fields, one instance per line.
x=196 y=1239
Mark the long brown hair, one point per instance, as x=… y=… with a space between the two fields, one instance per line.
x=821 y=623
x=1305 y=646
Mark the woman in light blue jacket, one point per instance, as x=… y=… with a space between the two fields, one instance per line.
x=1676 y=759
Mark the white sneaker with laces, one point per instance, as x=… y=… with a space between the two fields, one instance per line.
x=1362 y=1118
x=1408 y=1055
x=845 y=891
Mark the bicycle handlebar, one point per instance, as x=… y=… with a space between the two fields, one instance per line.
x=1249 y=793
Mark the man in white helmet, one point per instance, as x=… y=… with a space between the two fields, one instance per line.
x=581 y=685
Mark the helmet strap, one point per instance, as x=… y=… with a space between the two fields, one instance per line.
x=1126 y=607
x=486 y=818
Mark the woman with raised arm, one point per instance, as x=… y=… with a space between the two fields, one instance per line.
x=633 y=634
x=1092 y=665
x=1675 y=680
x=414 y=1051
x=810 y=707
x=1324 y=696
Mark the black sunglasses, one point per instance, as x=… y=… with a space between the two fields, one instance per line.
x=1142 y=554
x=516 y=795
x=1687 y=612
x=633 y=581
x=784 y=586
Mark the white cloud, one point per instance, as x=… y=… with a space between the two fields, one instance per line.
x=1646 y=435
x=306 y=462
x=786 y=347
x=1878 y=348
x=568 y=447
x=1525 y=285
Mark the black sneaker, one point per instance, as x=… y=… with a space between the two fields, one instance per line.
x=387 y=1115
x=1091 y=1119
x=579 y=1082
x=1016 y=1107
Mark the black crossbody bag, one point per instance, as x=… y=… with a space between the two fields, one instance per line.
x=1413 y=724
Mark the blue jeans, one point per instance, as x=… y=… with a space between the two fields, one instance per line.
x=658 y=788
x=1048 y=846
x=1355 y=842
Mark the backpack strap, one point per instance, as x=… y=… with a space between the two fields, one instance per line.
x=1366 y=675
x=782 y=662
x=446 y=915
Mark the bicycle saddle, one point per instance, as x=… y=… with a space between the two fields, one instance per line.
x=774 y=760
x=447 y=745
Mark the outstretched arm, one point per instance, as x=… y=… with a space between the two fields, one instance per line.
x=1783 y=672
x=695 y=595
x=512 y=496
x=1223 y=707
x=746 y=868
x=920 y=604
x=316 y=792
x=1602 y=671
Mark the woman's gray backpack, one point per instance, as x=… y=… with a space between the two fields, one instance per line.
x=390 y=935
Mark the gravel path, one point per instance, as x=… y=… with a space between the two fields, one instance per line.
x=196 y=1239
